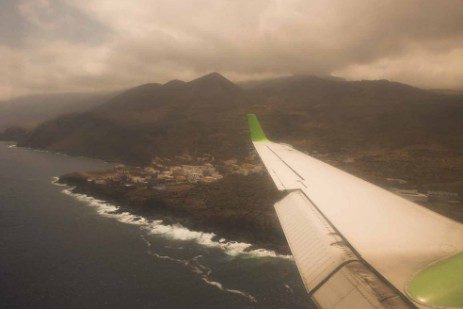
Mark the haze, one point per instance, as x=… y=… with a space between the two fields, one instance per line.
x=64 y=45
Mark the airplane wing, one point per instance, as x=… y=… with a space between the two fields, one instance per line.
x=357 y=245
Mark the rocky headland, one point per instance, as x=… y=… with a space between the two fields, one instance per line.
x=237 y=207
x=231 y=199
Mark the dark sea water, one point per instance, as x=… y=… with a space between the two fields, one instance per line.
x=61 y=250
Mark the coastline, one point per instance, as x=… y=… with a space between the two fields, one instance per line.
x=237 y=209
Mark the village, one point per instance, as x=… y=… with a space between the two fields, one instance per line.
x=183 y=171
x=174 y=173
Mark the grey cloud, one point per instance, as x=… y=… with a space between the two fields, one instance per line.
x=122 y=43
x=48 y=20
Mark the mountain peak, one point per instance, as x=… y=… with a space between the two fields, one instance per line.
x=214 y=81
x=174 y=84
x=212 y=76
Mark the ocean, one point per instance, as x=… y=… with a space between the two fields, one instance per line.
x=64 y=250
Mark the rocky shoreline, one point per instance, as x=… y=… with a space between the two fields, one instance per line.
x=237 y=208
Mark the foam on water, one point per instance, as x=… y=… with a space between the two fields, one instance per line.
x=199 y=269
x=238 y=292
x=55 y=180
x=171 y=231
x=180 y=233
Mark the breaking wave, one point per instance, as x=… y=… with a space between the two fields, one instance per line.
x=170 y=231
x=179 y=233
x=232 y=291
x=195 y=266
x=55 y=180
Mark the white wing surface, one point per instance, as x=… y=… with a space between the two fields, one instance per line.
x=357 y=245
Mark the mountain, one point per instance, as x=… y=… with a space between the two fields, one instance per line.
x=365 y=122
x=211 y=91
x=195 y=117
x=342 y=110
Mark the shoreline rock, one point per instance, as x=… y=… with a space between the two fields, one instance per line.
x=237 y=208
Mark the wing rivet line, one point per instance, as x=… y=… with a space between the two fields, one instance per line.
x=289 y=166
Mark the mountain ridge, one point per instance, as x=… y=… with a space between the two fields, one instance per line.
x=342 y=118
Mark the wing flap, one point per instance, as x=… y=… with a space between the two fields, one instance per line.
x=332 y=273
x=312 y=241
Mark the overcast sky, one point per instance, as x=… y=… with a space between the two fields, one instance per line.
x=78 y=45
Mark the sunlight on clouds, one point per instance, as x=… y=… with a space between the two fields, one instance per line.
x=103 y=44
x=420 y=68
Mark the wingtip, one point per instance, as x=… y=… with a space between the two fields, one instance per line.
x=257 y=134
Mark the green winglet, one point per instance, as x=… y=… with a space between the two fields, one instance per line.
x=440 y=284
x=257 y=134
